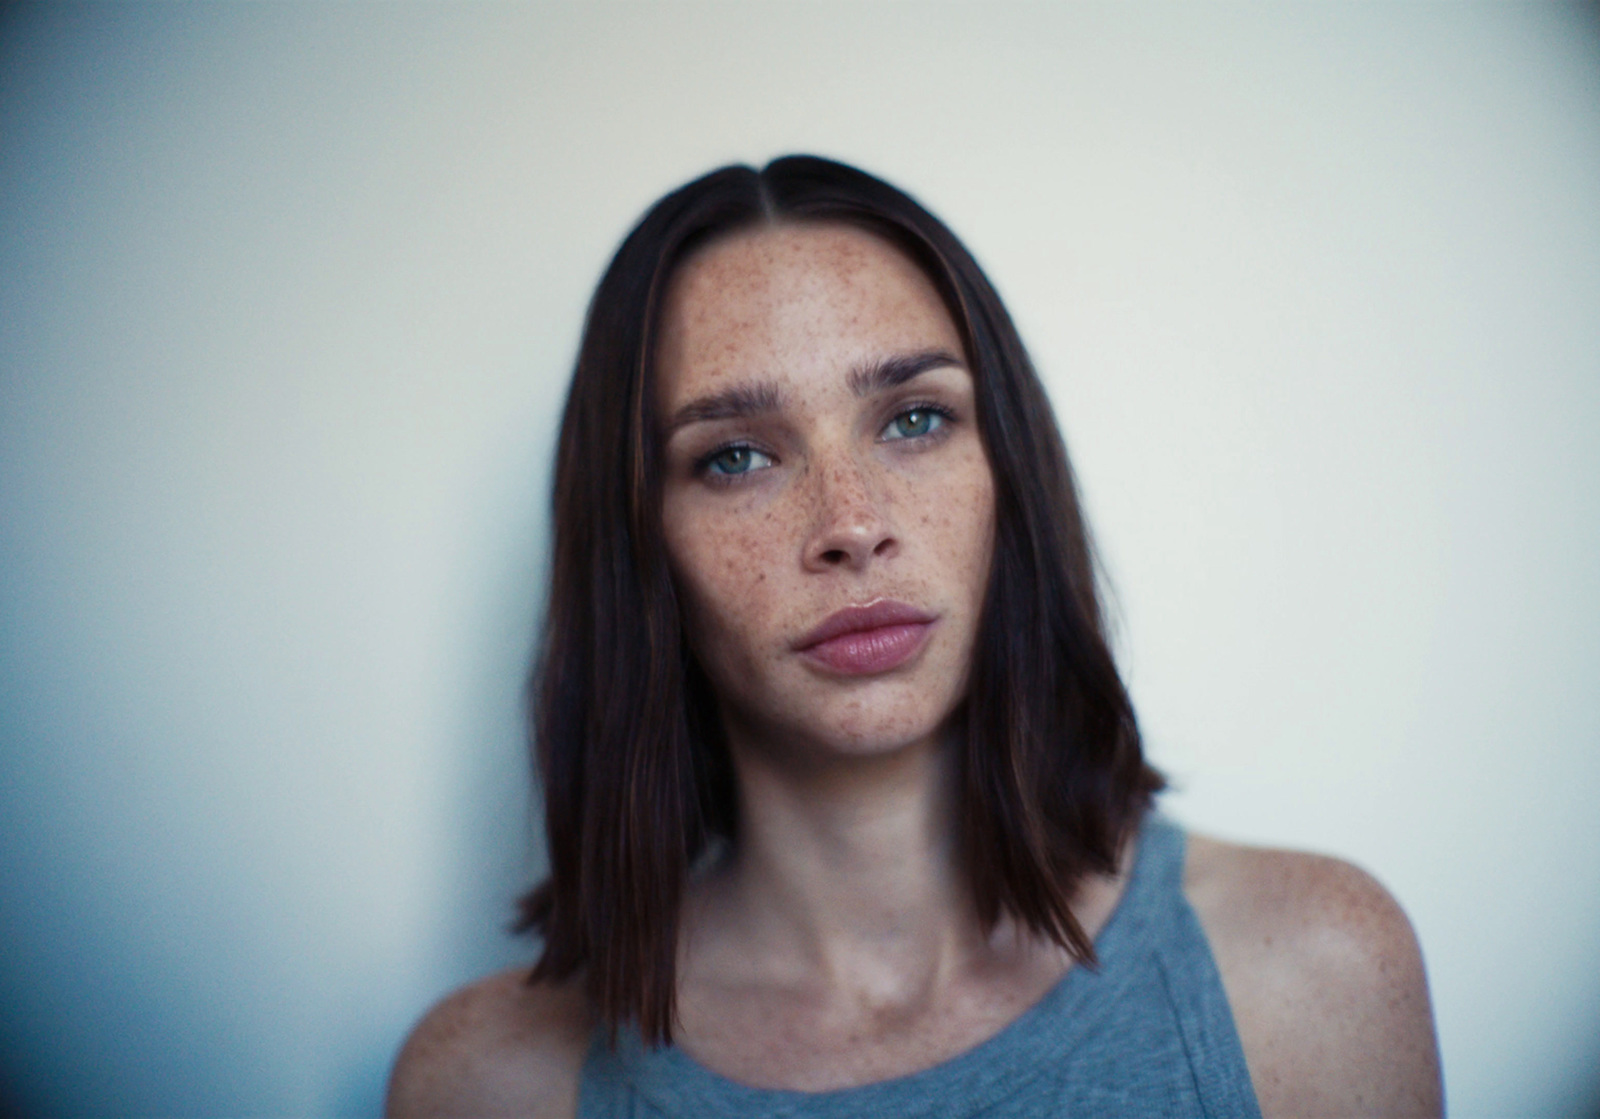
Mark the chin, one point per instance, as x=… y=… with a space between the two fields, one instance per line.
x=801 y=716
x=869 y=727
x=881 y=734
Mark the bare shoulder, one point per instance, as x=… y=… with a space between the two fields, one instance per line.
x=495 y=1047
x=1325 y=979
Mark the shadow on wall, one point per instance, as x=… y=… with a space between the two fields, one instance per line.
x=1590 y=1108
x=365 y=1083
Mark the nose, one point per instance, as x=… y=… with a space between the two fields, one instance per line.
x=851 y=527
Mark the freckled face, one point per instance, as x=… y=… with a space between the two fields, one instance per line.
x=823 y=473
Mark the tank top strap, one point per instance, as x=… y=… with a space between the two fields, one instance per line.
x=1193 y=986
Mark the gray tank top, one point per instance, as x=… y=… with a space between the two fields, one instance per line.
x=1147 y=1033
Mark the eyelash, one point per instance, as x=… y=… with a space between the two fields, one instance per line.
x=702 y=466
x=945 y=416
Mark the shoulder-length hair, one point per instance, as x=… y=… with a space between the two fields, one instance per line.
x=635 y=771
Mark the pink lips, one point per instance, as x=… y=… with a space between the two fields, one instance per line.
x=866 y=640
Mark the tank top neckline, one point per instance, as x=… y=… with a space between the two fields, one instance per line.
x=985 y=1074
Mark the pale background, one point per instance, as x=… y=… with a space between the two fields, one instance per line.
x=288 y=303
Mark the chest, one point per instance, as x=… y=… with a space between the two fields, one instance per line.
x=806 y=1041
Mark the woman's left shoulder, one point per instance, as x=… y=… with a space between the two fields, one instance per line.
x=1325 y=979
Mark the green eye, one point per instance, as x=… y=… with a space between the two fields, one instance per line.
x=913 y=422
x=735 y=460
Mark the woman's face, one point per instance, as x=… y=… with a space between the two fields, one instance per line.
x=828 y=506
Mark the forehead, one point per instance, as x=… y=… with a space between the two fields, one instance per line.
x=794 y=301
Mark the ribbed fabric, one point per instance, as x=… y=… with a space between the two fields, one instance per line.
x=1147 y=1033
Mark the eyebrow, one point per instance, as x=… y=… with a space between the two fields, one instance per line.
x=736 y=403
x=890 y=372
x=765 y=397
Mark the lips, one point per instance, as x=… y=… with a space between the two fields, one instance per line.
x=866 y=640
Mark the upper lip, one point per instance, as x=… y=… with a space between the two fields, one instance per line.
x=856 y=619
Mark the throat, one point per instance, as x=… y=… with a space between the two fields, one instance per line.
x=838 y=943
x=852 y=878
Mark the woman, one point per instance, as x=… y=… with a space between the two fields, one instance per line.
x=846 y=805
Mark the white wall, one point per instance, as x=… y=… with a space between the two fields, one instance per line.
x=288 y=297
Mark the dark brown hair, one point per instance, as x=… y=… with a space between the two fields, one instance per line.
x=635 y=773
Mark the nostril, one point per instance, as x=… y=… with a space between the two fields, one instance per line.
x=834 y=556
x=885 y=546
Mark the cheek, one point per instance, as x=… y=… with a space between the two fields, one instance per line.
x=958 y=516
x=722 y=569
x=982 y=528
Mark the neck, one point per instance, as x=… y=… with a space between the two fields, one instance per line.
x=845 y=870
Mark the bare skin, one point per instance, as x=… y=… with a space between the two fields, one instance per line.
x=821 y=453
x=1325 y=979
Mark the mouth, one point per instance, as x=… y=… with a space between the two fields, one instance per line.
x=867 y=640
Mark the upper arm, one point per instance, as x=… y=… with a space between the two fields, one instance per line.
x=495 y=1047
x=1325 y=979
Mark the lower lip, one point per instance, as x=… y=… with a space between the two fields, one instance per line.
x=871 y=651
